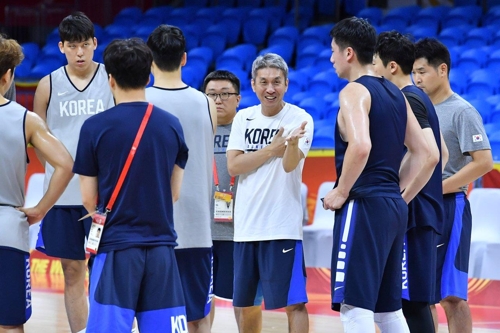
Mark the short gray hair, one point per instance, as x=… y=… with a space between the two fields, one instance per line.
x=269 y=60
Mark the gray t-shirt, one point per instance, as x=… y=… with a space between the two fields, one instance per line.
x=222 y=231
x=463 y=131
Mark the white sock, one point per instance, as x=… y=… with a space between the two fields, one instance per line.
x=356 y=320
x=389 y=322
x=134 y=330
x=82 y=331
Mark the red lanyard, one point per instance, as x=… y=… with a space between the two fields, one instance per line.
x=130 y=157
x=216 y=179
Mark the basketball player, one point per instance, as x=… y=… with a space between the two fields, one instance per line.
x=374 y=124
x=65 y=99
x=267 y=148
x=394 y=58
x=134 y=272
x=224 y=88
x=469 y=158
x=198 y=117
x=18 y=127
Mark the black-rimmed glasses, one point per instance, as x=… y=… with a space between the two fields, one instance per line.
x=223 y=96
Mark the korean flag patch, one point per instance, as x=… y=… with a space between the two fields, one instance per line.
x=477 y=138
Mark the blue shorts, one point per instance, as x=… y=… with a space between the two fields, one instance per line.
x=15 y=287
x=195 y=268
x=368 y=240
x=453 y=248
x=274 y=269
x=61 y=235
x=142 y=282
x=419 y=265
x=223 y=269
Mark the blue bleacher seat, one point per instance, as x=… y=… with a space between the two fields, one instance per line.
x=323 y=142
x=23 y=70
x=289 y=34
x=483 y=83
x=431 y=15
x=462 y=15
x=491 y=128
x=192 y=36
x=244 y=77
x=143 y=31
x=495 y=116
x=128 y=15
x=324 y=83
x=255 y=29
x=314 y=106
x=313 y=35
x=483 y=107
x=284 y=49
x=231 y=59
x=302 y=20
x=300 y=78
x=471 y=60
x=420 y=32
x=160 y=12
x=119 y=30
x=395 y=25
x=215 y=38
x=45 y=67
x=298 y=97
x=248 y=99
x=401 y=15
x=192 y=76
x=232 y=25
x=493 y=62
x=30 y=50
x=307 y=55
x=495 y=150
x=458 y=81
x=331 y=97
x=452 y=36
x=372 y=14
x=479 y=37
x=322 y=61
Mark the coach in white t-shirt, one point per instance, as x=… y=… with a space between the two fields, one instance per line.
x=267 y=147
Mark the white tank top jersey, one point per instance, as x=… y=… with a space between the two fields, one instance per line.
x=192 y=210
x=67 y=110
x=14 y=230
x=268 y=204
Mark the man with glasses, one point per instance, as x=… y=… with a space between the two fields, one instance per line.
x=197 y=115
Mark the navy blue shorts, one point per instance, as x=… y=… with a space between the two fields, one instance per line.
x=142 y=282
x=15 y=287
x=367 y=252
x=273 y=270
x=61 y=235
x=419 y=265
x=195 y=268
x=453 y=248
x=223 y=269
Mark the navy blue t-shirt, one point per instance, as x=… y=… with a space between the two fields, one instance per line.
x=388 y=117
x=143 y=212
x=426 y=209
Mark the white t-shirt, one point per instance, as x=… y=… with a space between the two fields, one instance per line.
x=268 y=205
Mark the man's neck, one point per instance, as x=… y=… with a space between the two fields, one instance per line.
x=224 y=121
x=401 y=81
x=168 y=80
x=441 y=95
x=128 y=96
x=82 y=74
x=358 y=71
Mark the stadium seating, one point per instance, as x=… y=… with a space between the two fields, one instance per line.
x=372 y=14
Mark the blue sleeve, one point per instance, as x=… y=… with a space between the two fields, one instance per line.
x=85 y=160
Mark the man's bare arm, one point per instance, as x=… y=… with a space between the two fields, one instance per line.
x=482 y=162
x=421 y=161
x=239 y=163
x=355 y=103
x=176 y=182
x=54 y=152
x=89 y=190
x=293 y=155
x=40 y=103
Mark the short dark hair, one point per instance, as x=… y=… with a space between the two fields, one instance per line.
x=11 y=55
x=129 y=62
x=393 y=46
x=220 y=75
x=356 y=33
x=76 y=27
x=434 y=51
x=167 y=43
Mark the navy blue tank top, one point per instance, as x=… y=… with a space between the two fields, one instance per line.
x=387 y=117
x=426 y=209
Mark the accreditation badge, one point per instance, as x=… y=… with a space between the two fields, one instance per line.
x=223 y=206
x=96 y=230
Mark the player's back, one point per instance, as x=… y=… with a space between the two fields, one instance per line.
x=387 y=118
x=13 y=159
x=192 y=210
x=427 y=206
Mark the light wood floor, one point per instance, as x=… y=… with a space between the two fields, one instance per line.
x=49 y=316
